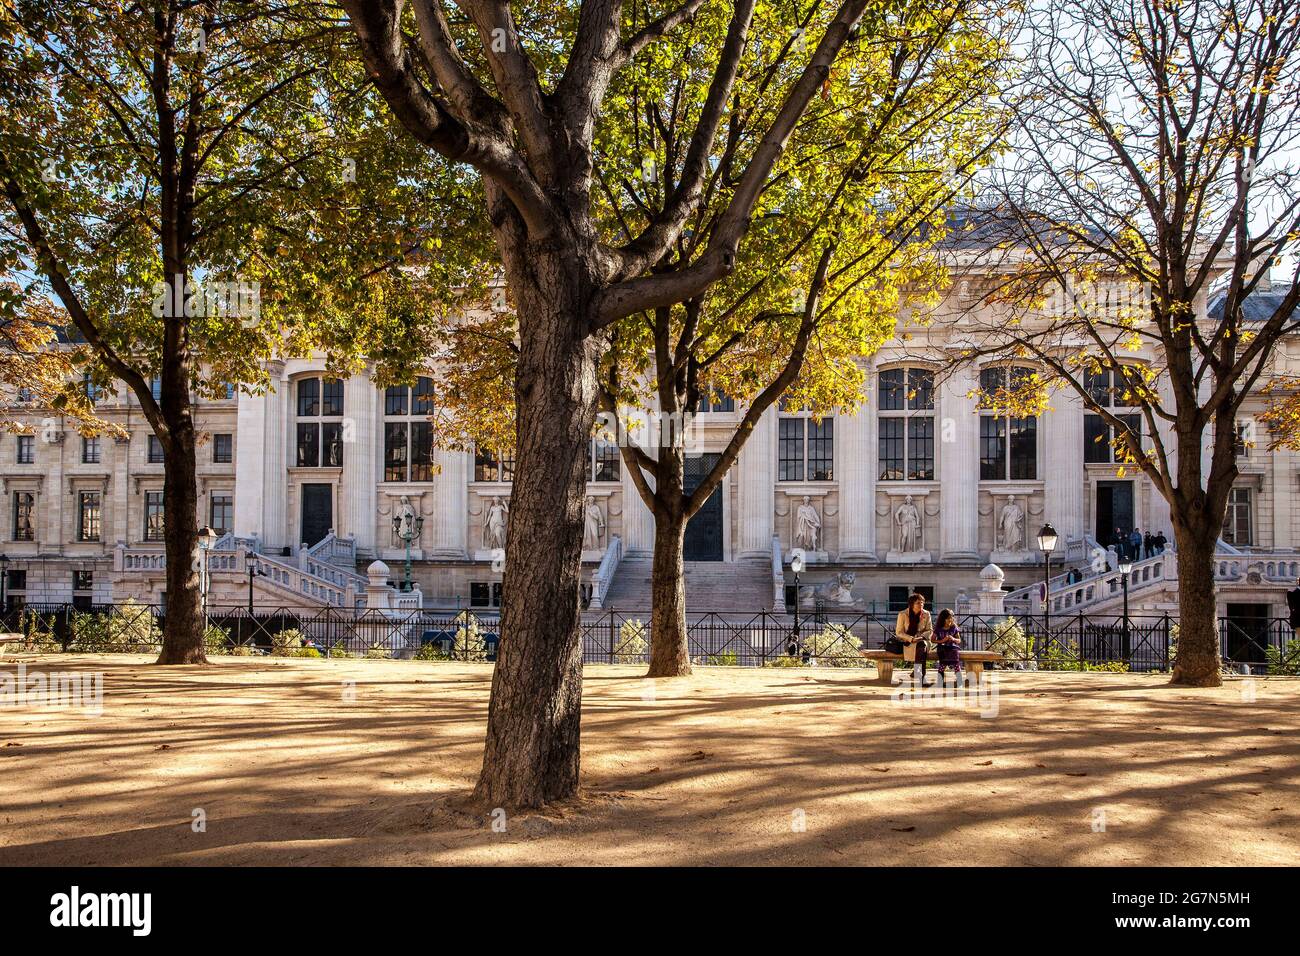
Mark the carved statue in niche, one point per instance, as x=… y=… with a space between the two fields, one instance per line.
x=1011 y=526
x=908 y=521
x=593 y=525
x=495 y=521
x=807 y=525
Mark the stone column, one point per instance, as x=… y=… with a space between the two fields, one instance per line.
x=756 y=479
x=451 y=504
x=361 y=448
x=277 y=438
x=855 y=454
x=1060 y=437
x=638 y=521
x=957 y=440
x=250 y=461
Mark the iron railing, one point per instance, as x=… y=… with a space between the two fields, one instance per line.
x=763 y=638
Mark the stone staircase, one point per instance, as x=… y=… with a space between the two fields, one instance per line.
x=710 y=586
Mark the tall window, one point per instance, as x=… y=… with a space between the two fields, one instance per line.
x=221 y=517
x=155 y=450
x=805 y=449
x=716 y=402
x=154 y=516
x=408 y=441
x=1008 y=445
x=320 y=440
x=1109 y=391
x=90 y=450
x=1236 y=522
x=906 y=421
x=602 y=460
x=25 y=395
x=83 y=580
x=24 y=507
x=488 y=467
x=26 y=449
x=88 y=515
x=223 y=449
x=155 y=388
x=92 y=391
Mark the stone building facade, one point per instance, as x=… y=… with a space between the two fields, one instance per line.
x=919 y=489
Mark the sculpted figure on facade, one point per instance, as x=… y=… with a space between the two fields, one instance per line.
x=495 y=520
x=1011 y=525
x=593 y=525
x=807 y=526
x=908 y=520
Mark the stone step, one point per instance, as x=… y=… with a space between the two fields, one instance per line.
x=710 y=586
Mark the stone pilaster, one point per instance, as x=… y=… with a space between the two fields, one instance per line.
x=361 y=472
x=756 y=477
x=451 y=504
x=277 y=439
x=638 y=521
x=957 y=441
x=1060 y=436
x=855 y=464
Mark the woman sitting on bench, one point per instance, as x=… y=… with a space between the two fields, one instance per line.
x=913 y=627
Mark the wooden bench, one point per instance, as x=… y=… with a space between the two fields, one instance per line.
x=971 y=661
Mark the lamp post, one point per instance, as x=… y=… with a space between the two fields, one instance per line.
x=255 y=569
x=1125 y=568
x=207 y=538
x=1047 y=538
x=407 y=527
x=796 y=639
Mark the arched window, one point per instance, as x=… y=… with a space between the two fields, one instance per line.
x=1008 y=445
x=906 y=421
x=320 y=423
x=1109 y=391
x=408 y=432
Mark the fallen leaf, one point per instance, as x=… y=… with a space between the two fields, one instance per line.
x=880 y=769
x=902 y=829
x=986 y=763
x=1076 y=773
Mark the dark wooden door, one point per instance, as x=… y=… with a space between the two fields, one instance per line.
x=704 y=531
x=317 y=512
x=1114 y=509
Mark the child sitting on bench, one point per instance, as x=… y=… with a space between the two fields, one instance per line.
x=947 y=641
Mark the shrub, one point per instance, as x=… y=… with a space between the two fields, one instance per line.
x=632 y=643
x=1057 y=658
x=1284 y=660
x=216 y=640
x=287 y=643
x=130 y=628
x=722 y=659
x=1010 y=640
x=431 y=651
x=338 y=649
x=834 y=646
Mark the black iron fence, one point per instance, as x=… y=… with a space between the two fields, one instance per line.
x=762 y=639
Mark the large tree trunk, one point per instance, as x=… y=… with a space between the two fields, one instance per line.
x=531 y=755
x=1198 y=659
x=183 y=631
x=669 y=654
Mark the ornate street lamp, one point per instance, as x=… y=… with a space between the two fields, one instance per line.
x=207 y=538
x=255 y=569
x=407 y=527
x=1125 y=569
x=796 y=640
x=1047 y=538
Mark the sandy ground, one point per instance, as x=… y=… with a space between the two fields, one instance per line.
x=366 y=762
